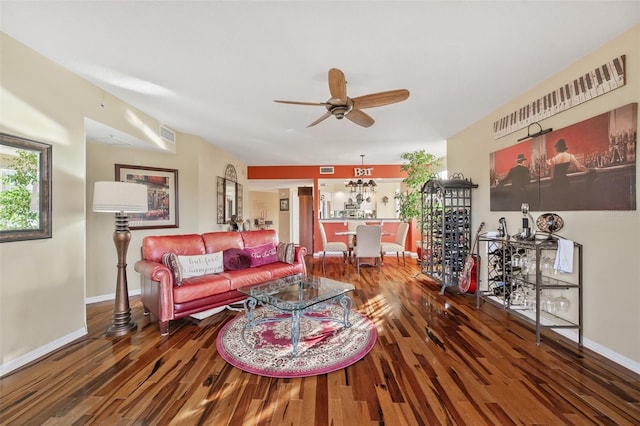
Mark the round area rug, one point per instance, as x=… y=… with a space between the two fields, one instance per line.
x=324 y=346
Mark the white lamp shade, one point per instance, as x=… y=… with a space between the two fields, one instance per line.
x=119 y=197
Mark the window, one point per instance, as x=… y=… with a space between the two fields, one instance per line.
x=25 y=189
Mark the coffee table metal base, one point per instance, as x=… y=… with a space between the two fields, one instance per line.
x=296 y=314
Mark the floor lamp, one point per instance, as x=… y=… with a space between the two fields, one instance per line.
x=120 y=198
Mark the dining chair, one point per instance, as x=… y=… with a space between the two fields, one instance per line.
x=351 y=227
x=397 y=245
x=369 y=244
x=331 y=246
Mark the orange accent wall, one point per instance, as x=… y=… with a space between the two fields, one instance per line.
x=313 y=172
x=340 y=172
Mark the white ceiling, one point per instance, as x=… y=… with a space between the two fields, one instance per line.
x=213 y=68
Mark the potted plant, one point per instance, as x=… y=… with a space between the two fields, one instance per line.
x=420 y=167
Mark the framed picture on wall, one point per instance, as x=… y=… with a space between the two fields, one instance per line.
x=162 y=195
x=284 y=204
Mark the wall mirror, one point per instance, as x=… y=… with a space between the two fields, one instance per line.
x=25 y=189
x=229 y=196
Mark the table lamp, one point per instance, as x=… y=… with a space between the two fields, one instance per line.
x=120 y=198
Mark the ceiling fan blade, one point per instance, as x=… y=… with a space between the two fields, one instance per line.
x=301 y=103
x=360 y=118
x=324 y=117
x=337 y=84
x=380 y=99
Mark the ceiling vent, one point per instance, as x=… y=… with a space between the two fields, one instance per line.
x=167 y=134
x=326 y=170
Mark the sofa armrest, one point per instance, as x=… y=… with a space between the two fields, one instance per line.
x=300 y=253
x=157 y=288
x=153 y=270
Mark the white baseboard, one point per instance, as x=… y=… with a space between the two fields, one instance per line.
x=602 y=350
x=56 y=344
x=41 y=351
x=105 y=297
x=572 y=334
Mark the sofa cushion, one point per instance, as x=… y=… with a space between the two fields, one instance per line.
x=235 y=259
x=193 y=266
x=258 y=238
x=286 y=252
x=170 y=260
x=153 y=247
x=221 y=241
x=281 y=269
x=203 y=264
x=249 y=276
x=262 y=254
x=199 y=287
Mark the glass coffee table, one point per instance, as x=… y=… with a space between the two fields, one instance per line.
x=296 y=296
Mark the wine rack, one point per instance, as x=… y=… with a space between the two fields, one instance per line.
x=521 y=278
x=501 y=272
x=446 y=228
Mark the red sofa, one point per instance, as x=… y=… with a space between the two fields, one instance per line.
x=167 y=301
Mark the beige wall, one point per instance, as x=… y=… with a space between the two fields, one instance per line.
x=212 y=163
x=284 y=222
x=44 y=283
x=611 y=239
x=284 y=217
x=267 y=202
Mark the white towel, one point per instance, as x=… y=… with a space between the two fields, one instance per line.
x=564 y=257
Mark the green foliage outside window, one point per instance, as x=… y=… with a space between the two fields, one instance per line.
x=16 y=200
x=420 y=167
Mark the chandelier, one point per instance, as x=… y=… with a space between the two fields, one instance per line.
x=361 y=189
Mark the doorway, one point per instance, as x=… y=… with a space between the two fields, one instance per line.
x=305 y=201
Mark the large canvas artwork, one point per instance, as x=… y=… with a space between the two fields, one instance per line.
x=589 y=165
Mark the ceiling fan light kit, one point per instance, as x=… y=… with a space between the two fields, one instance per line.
x=341 y=106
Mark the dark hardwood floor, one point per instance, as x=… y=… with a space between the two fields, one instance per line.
x=437 y=360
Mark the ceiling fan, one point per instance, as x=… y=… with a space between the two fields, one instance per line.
x=341 y=106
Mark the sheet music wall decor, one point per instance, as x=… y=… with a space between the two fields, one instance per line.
x=596 y=82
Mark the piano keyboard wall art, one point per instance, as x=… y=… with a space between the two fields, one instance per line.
x=597 y=82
